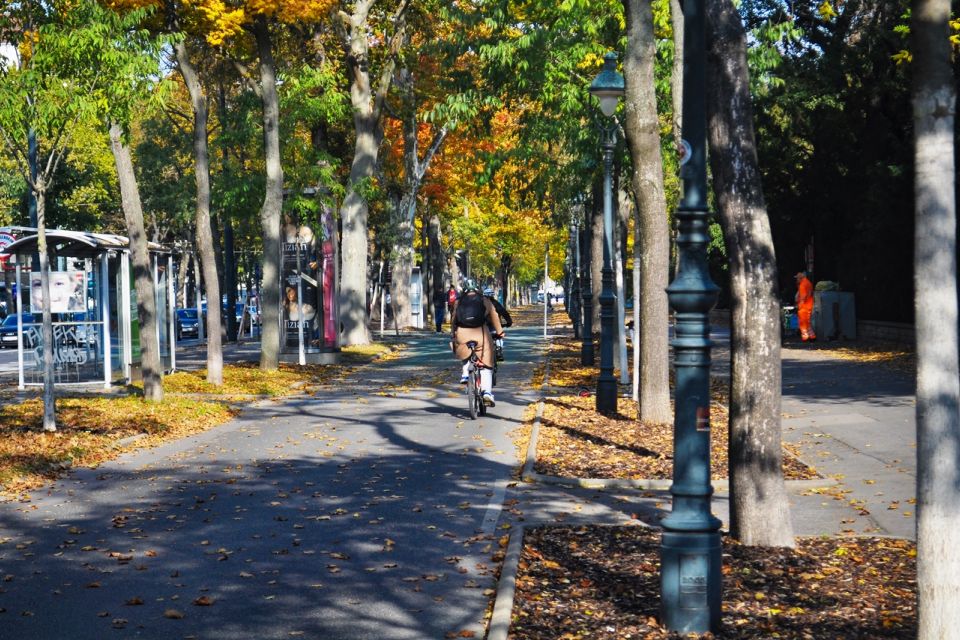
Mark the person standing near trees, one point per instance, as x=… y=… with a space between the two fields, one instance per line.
x=805 y=306
x=439 y=306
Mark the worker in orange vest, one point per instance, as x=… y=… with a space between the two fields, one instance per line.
x=805 y=306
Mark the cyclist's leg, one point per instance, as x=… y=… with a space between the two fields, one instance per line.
x=486 y=380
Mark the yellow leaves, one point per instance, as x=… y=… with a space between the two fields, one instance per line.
x=90 y=431
x=826 y=11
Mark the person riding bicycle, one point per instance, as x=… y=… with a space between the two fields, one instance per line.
x=470 y=319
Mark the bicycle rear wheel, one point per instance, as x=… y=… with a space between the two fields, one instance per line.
x=471 y=388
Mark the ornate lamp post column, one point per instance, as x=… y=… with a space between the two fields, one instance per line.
x=690 y=548
x=608 y=88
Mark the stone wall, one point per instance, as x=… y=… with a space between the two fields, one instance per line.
x=879 y=331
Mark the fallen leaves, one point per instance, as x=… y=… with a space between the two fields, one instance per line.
x=576 y=441
x=608 y=586
x=90 y=431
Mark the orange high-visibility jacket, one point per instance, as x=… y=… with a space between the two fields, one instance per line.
x=805 y=294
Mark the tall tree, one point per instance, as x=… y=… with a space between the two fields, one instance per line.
x=935 y=279
x=367 y=100
x=201 y=171
x=405 y=205
x=140 y=262
x=643 y=137
x=759 y=507
x=69 y=58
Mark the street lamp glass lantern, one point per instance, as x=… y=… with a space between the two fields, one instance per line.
x=608 y=86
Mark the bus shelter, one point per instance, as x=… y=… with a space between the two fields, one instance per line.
x=96 y=330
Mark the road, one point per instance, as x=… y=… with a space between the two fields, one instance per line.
x=369 y=510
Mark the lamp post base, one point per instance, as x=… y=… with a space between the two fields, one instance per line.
x=690 y=579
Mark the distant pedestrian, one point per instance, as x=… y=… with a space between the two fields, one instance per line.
x=439 y=306
x=451 y=299
x=805 y=306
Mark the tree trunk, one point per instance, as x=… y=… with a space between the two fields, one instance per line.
x=596 y=256
x=230 y=274
x=205 y=248
x=643 y=138
x=142 y=271
x=272 y=203
x=676 y=73
x=354 y=209
x=935 y=277
x=183 y=271
x=759 y=507
x=46 y=329
x=229 y=252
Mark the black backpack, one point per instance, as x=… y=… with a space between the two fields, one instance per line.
x=471 y=311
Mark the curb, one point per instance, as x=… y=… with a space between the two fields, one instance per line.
x=506 y=588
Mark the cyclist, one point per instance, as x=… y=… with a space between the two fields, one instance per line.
x=470 y=319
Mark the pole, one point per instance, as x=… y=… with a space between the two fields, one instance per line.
x=546 y=299
x=690 y=547
x=302 y=356
x=607 y=383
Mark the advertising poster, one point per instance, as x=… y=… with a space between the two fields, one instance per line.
x=67 y=292
x=301 y=289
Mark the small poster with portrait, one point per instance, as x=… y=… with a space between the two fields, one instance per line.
x=67 y=292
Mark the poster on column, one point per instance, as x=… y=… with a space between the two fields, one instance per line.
x=301 y=289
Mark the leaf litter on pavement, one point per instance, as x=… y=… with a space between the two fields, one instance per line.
x=602 y=582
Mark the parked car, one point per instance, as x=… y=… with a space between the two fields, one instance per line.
x=8 y=331
x=188 y=323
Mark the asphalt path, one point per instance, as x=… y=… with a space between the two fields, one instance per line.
x=369 y=510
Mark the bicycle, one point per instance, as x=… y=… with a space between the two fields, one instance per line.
x=474 y=396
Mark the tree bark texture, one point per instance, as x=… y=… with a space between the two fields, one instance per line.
x=935 y=281
x=596 y=255
x=270 y=210
x=643 y=139
x=142 y=272
x=208 y=263
x=759 y=507
x=354 y=210
x=676 y=74
x=46 y=329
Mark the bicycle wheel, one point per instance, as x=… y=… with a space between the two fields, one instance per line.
x=471 y=388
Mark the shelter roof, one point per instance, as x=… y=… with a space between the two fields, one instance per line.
x=78 y=244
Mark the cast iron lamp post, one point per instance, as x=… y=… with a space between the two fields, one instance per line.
x=608 y=88
x=690 y=546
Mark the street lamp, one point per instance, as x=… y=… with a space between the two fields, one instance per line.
x=690 y=546
x=608 y=88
